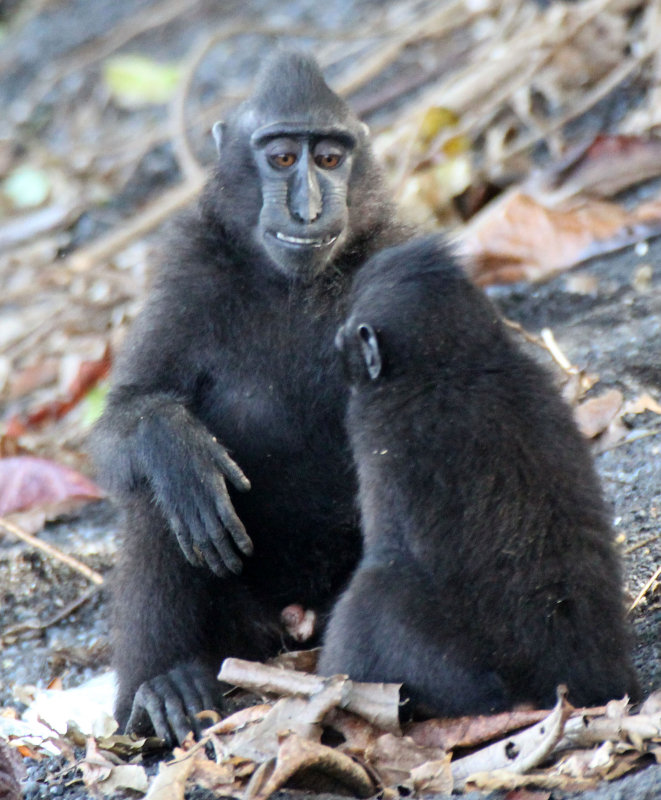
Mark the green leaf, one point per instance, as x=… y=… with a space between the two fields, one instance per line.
x=135 y=81
x=27 y=187
x=95 y=401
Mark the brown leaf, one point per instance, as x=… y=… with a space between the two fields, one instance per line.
x=395 y=757
x=27 y=481
x=518 y=237
x=610 y=164
x=526 y=794
x=297 y=755
x=359 y=735
x=101 y=775
x=470 y=731
x=12 y=772
x=596 y=414
x=210 y=775
x=299 y=660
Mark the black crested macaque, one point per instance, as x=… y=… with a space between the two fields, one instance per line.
x=224 y=434
x=488 y=575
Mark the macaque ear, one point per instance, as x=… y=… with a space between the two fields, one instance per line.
x=370 y=348
x=217 y=132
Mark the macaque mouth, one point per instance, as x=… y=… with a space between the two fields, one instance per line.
x=298 y=241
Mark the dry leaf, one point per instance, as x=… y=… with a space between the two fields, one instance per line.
x=504 y=780
x=100 y=775
x=210 y=775
x=471 y=731
x=525 y=794
x=652 y=706
x=432 y=777
x=642 y=404
x=376 y=702
x=518 y=237
x=395 y=757
x=240 y=719
x=586 y=763
x=88 y=374
x=358 y=733
x=596 y=414
x=297 y=755
x=123 y=777
x=95 y=767
x=301 y=715
x=298 y=660
x=609 y=164
x=520 y=752
x=170 y=783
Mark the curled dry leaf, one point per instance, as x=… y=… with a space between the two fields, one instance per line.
x=298 y=660
x=297 y=755
x=504 y=780
x=240 y=719
x=616 y=725
x=520 y=752
x=301 y=715
x=596 y=414
x=470 y=731
x=587 y=763
x=359 y=735
x=170 y=782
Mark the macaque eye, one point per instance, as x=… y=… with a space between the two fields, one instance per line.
x=282 y=153
x=283 y=160
x=328 y=155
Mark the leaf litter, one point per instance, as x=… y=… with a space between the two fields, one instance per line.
x=303 y=736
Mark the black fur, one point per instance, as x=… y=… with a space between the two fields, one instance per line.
x=237 y=343
x=489 y=575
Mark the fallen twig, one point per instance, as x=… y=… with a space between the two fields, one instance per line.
x=53 y=552
x=645 y=589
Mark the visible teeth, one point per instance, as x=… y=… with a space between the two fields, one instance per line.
x=308 y=242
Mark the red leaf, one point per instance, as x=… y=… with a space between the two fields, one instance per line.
x=27 y=481
x=88 y=375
